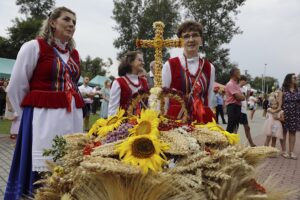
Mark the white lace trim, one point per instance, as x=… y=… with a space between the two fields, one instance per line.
x=39 y=161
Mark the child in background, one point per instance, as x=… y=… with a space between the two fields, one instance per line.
x=273 y=127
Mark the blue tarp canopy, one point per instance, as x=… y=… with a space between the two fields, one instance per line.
x=6 y=66
x=98 y=80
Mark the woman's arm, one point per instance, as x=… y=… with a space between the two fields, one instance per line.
x=22 y=71
x=114 y=100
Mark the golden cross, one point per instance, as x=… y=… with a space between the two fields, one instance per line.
x=158 y=43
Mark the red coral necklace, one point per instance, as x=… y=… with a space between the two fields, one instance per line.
x=132 y=83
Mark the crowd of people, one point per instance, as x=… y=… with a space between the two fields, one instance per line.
x=281 y=110
x=48 y=102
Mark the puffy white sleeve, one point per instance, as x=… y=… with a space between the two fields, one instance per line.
x=210 y=92
x=21 y=74
x=166 y=75
x=114 y=98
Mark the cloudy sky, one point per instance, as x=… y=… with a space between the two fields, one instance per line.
x=271 y=33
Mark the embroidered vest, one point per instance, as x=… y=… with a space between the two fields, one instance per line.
x=54 y=83
x=182 y=82
x=126 y=92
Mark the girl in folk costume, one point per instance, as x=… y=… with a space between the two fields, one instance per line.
x=128 y=83
x=43 y=92
x=192 y=75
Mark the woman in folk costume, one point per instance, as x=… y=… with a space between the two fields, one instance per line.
x=43 y=92
x=128 y=83
x=191 y=75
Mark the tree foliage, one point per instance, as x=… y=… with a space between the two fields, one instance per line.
x=36 y=8
x=92 y=67
x=217 y=18
x=26 y=29
x=270 y=82
x=134 y=20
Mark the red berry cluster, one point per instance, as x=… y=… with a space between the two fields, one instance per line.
x=89 y=147
x=171 y=124
x=256 y=186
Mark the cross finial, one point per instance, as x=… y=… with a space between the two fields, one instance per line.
x=158 y=43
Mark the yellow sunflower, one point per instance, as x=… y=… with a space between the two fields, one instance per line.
x=147 y=123
x=145 y=151
x=102 y=126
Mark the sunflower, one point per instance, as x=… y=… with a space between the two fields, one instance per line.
x=145 y=151
x=147 y=123
x=102 y=126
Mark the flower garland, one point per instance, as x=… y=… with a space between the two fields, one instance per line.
x=137 y=98
x=177 y=96
x=154 y=98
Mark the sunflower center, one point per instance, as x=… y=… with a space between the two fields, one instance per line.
x=143 y=128
x=142 y=148
x=112 y=121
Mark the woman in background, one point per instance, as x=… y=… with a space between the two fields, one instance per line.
x=105 y=99
x=291 y=108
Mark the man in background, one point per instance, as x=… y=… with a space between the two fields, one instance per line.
x=150 y=76
x=234 y=97
x=87 y=95
x=220 y=106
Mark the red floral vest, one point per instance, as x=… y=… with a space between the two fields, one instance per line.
x=180 y=81
x=126 y=92
x=54 y=82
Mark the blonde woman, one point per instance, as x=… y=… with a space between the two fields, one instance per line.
x=105 y=99
x=43 y=82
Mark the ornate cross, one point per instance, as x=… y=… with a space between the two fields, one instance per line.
x=158 y=43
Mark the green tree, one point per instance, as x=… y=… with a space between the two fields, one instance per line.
x=135 y=21
x=36 y=8
x=93 y=67
x=217 y=17
x=270 y=82
x=26 y=29
x=127 y=14
x=298 y=78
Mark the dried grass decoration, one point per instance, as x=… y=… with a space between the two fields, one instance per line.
x=177 y=96
x=214 y=127
x=145 y=151
x=140 y=97
x=103 y=126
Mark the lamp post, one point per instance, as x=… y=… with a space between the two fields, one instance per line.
x=264 y=78
x=262 y=83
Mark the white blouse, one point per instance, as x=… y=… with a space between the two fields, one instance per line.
x=46 y=122
x=193 y=64
x=115 y=93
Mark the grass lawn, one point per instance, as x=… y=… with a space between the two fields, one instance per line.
x=5 y=124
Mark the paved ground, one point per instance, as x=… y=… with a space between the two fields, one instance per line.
x=6 y=151
x=285 y=170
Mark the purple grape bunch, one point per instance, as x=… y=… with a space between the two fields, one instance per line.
x=118 y=134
